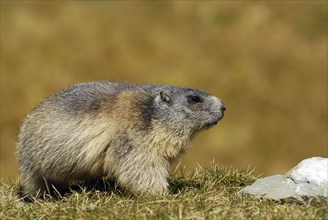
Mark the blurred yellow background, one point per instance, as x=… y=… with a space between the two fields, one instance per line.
x=266 y=60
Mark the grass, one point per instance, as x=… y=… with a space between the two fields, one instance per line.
x=206 y=193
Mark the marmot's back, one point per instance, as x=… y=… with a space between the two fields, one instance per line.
x=120 y=131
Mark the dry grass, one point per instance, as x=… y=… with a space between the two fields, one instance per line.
x=209 y=193
x=266 y=59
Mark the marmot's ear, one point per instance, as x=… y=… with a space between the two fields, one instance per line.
x=165 y=97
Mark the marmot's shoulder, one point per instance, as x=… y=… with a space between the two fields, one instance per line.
x=89 y=96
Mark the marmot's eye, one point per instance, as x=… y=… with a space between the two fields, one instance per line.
x=195 y=99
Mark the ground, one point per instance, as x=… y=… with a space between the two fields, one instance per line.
x=206 y=193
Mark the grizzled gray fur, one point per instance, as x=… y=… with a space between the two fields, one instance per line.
x=126 y=132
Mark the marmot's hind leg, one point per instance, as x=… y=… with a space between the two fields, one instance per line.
x=35 y=186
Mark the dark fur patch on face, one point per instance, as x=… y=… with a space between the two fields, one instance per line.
x=147 y=109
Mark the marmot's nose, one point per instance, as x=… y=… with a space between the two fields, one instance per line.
x=222 y=107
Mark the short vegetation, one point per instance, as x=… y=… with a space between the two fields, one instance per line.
x=205 y=193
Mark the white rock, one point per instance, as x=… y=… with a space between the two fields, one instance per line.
x=313 y=170
x=308 y=181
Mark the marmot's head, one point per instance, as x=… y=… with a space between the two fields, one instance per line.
x=186 y=111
